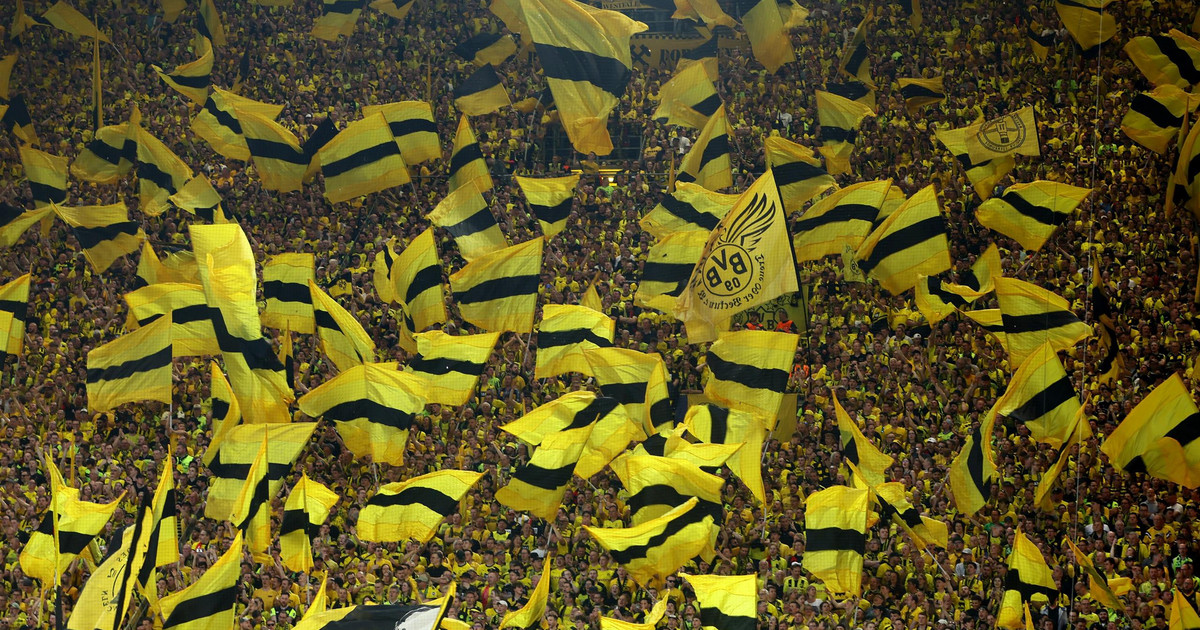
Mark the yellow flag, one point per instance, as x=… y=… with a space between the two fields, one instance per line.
x=1010 y=134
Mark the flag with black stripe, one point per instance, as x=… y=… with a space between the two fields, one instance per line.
x=467 y=165
x=1028 y=575
x=200 y=198
x=1184 y=188
x=1088 y=21
x=1112 y=364
x=131 y=368
x=550 y=199
x=715 y=425
x=1171 y=58
x=308 y=505
x=363 y=158
x=856 y=91
x=688 y=99
x=192 y=331
x=1040 y=396
x=1155 y=118
x=769 y=40
x=749 y=369
x=372 y=406
x=280 y=161
x=396 y=8
x=726 y=602
x=240 y=445
x=337 y=19
x=934 y=301
x=14 y=309
x=14 y=116
x=667 y=268
x=585 y=56
x=983 y=175
x=708 y=162
x=451 y=365
x=704 y=55
x=192 y=79
x=252 y=509
x=612 y=432
x=661 y=546
x=894 y=505
x=415 y=281
x=498 y=292
x=565 y=333
x=210 y=601
x=843 y=219
x=856 y=55
x=160 y=172
x=289 y=304
x=414 y=508
x=487 y=48
x=690 y=207
x=839 y=118
x=858 y=450
x=108 y=157
x=481 y=93
x=910 y=243
x=656 y=485
x=835 y=537
x=1160 y=437
x=47 y=175
x=412 y=125
x=210 y=23
x=467 y=216
x=539 y=485
x=918 y=92
x=1034 y=316
x=342 y=336
x=637 y=380
x=798 y=172
x=972 y=470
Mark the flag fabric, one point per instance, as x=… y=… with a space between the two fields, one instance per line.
x=972 y=470
x=769 y=41
x=690 y=207
x=1040 y=396
x=425 y=616
x=192 y=79
x=1097 y=584
x=748 y=370
x=279 y=159
x=856 y=55
x=539 y=485
x=894 y=505
x=230 y=466
x=708 y=162
x=1111 y=365
x=7 y=63
x=858 y=450
x=161 y=173
x=252 y=508
x=163 y=540
x=1088 y=22
x=585 y=56
x=843 y=219
x=226 y=413
x=481 y=93
x=14 y=308
x=636 y=380
x=1029 y=213
x=1028 y=575
x=649 y=622
x=200 y=198
x=934 y=301
x=450 y=365
x=657 y=485
x=47 y=175
x=337 y=19
x=342 y=336
x=412 y=509
x=466 y=215
x=667 y=268
x=708 y=12
x=983 y=175
x=1034 y=316
x=44 y=557
x=1007 y=135
x=659 y=547
x=565 y=333
x=372 y=406
x=853 y=90
x=798 y=172
x=713 y=425
x=412 y=125
x=416 y=279
x=210 y=601
x=363 y=158
x=835 y=536
x=487 y=48
x=107 y=594
x=1183 y=614
x=466 y=160
x=1172 y=58
x=747 y=261
x=725 y=601
x=131 y=368
x=210 y=23
x=612 y=429
x=1040 y=40
x=839 y=118
x=991 y=321
x=108 y=157
x=551 y=200
x=980 y=279
x=67 y=18
x=688 y=99
x=1155 y=118
x=191 y=331
x=910 y=243
x=1158 y=437
x=1186 y=181
x=396 y=8
x=178 y=267
x=704 y=55
x=498 y=292
x=532 y=613
x=674 y=443
x=14 y=116
x=919 y=93
x=308 y=506
x=289 y=303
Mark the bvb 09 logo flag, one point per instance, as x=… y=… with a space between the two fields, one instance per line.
x=747 y=261
x=1008 y=134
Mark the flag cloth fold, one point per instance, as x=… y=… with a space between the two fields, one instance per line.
x=481 y=93
x=1158 y=437
x=362 y=159
x=1034 y=316
x=748 y=370
x=708 y=162
x=843 y=219
x=192 y=79
x=550 y=200
x=131 y=368
x=798 y=172
x=498 y=292
x=769 y=40
x=659 y=547
x=451 y=365
x=835 y=534
x=910 y=243
x=1029 y=213
x=210 y=601
x=372 y=406
x=565 y=333
x=412 y=509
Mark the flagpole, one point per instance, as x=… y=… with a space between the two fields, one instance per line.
x=57 y=575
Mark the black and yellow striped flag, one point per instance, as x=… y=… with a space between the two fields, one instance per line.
x=688 y=99
x=1167 y=59
x=715 y=425
x=14 y=308
x=858 y=450
x=47 y=175
x=1029 y=213
x=226 y=413
x=656 y=485
x=909 y=244
x=1088 y=21
x=308 y=506
x=1034 y=316
x=466 y=160
x=68 y=19
x=769 y=40
x=412 y=124
x=918 y=93
x=396 y=8
x=487 y=48
x=451 y=365
x=1112 y=364
x=1040 y=40
x=467 y=216
x=210 y=23
x=661 y=546
x=708 y=162
x=104 y=232
x=1041 y=397
x=1155 y=118
x=416 y=281
x=1183 y=187
x=1099 y=587
x=1158 y=437
x=363 y=158
x=413 y=509
x=612 y=432
x=253 y=506
x=839 y=118
x=539 y=485
x=200 y=198
x=279 y=159
x=192 y=332
x=667 y=269
x=109 y=156
x=704 y=55
x=992 y=322
x=565 y=333
x=1007 y=135
x=131 y=368
x=289 y=304
x=481 y=93
x=337 y=19
x=894 y=505
x=342 y=336
x=550 y=200
x=498 y=292
x=164 y=536
x=585 y=56
x=798 y=172
x=983 y=175
x=241 y=444
x=160 y=172
x=690 y=207
x=856 y=91
x=843 y=219
x=372 y=406
x=856 y=55
x=14 y=116
x=972 y=470
x=192 y=79
x=726 y=601
x=178 y=266
x=1028 y=575
x=749 y=369
x=210 y=601
x=934 y=301
x=835 y=537
x=637 y=381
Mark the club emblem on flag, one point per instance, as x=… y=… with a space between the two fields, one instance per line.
x=1004 y=134
x=731 y=273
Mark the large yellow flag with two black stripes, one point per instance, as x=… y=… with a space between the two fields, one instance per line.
x=416 y=282
x=1034 y=316
x=1029 y=213
x=637 y=380
x=708 y=162
x=372 y=406
x=412 y=125
x=109 y=156
x=230 y=467
x=843 y=219
x=656 y=485
x=585 y=56
x=413 y=509
x=289 y=304
x=131 y=368
x=498 y=292
x=550 y=199
x=467 y=216
x=161 y=173
x=1028 y=575
x=565 y=333
x=835 y=537
x=1159 y=437
x=909 y=244
x=451 y=365
x=279 y=159
x=688 y=99
x=363 y=158
x=192 y=79
x=749 y=369
x=192 y=331
x=661 y=546
x=1040 y=396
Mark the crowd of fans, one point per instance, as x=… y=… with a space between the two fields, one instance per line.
x=916 y=394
